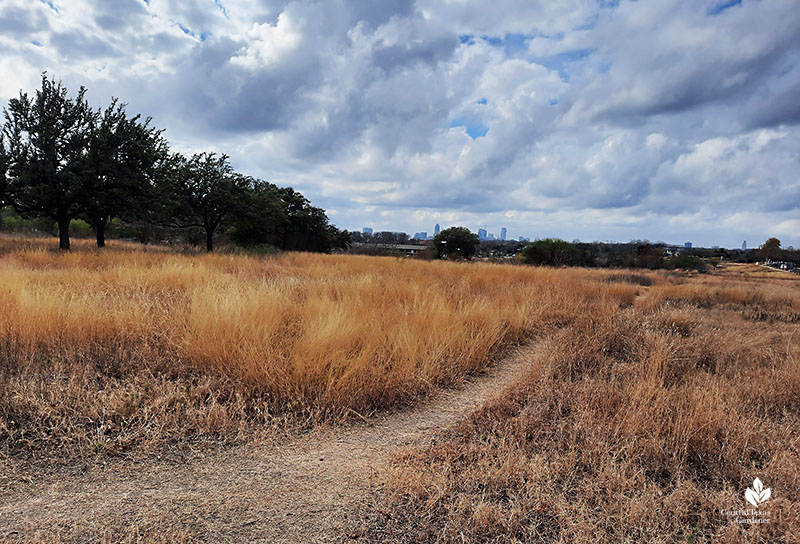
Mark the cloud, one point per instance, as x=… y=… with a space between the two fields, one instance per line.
x=578 y=119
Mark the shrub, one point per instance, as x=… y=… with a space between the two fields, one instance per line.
x=549 y=251
x=687 y=262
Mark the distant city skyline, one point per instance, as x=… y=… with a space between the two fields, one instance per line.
x=485 y=235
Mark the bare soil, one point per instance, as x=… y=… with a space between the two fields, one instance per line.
x=298 y=490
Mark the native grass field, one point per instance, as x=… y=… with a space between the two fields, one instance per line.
x=650 y=403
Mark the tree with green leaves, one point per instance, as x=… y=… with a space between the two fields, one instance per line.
x=201 y=192
x=550 y=251
x=306 y=227
x=5 y=161
x=285 y=219
x=261 y=218
x=457 y=241
x=125 y=156
x=48 y=137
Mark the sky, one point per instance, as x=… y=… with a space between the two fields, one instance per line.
x=587 y=119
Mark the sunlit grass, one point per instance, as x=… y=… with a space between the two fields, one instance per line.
x=322 y=335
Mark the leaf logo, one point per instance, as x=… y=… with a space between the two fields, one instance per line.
x=757 y=494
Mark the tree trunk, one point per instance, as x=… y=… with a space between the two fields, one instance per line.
x=209 y=239
x=100 y=232
x=63 y=233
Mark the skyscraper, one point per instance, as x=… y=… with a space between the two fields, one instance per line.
x=436 y=229
x=367 y=230
x=481 y=234
x=744 y=245
x=687 y=245
x=503 y=233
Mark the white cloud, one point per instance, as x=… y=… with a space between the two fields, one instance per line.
x=641 y=120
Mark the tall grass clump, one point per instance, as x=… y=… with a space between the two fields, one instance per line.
x=127 y=345
x=645 y=426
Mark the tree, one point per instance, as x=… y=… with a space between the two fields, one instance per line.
x=306 y=227
x=387 y=237
x=549 y=251
x=47 y=142
x=770 y=249
x=122 y=163
x=648 y=256
x=687 y=262
x=201 y=192
x=456 y=241
x=262 y=218
x=5 y=161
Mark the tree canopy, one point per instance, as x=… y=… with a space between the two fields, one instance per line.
x=770 y=249
x=202 y=191
x=549 y=251
x=456 y=241
x=62 y=160
x=48 y=138
x=124 y=159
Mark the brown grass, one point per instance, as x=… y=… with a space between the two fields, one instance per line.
x=103 y=351
x=642 y=426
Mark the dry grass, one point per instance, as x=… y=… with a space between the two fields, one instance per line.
x=130 y=535
x=652 y=402
x=638 y=427
x=106 y=350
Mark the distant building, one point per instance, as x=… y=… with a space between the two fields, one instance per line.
x=503 y=233
x=687 y=245
x=744 y=245
x=491 y=236
x=420 y=236
x=436 y=229
x=367 y=230
x=523 y=239
x=481 y=234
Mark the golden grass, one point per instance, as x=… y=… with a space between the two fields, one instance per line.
x=117 y=345
x=637 y=427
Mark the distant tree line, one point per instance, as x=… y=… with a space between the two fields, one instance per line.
x=644 y=254
x=383 y=237
x=63 y=161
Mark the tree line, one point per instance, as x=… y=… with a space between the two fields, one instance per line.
x=643 y=254
x=64 y=160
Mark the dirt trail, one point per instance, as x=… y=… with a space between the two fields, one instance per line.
x=298 y=491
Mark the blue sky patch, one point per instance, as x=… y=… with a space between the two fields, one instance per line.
x=51 y=5
x=218 y=3
x=481 y=101
x=719 y=8
x=475 y=128
x=561 y=62
x=512 y=44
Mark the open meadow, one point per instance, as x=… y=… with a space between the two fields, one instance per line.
x=108 y=350
x=148 y=395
